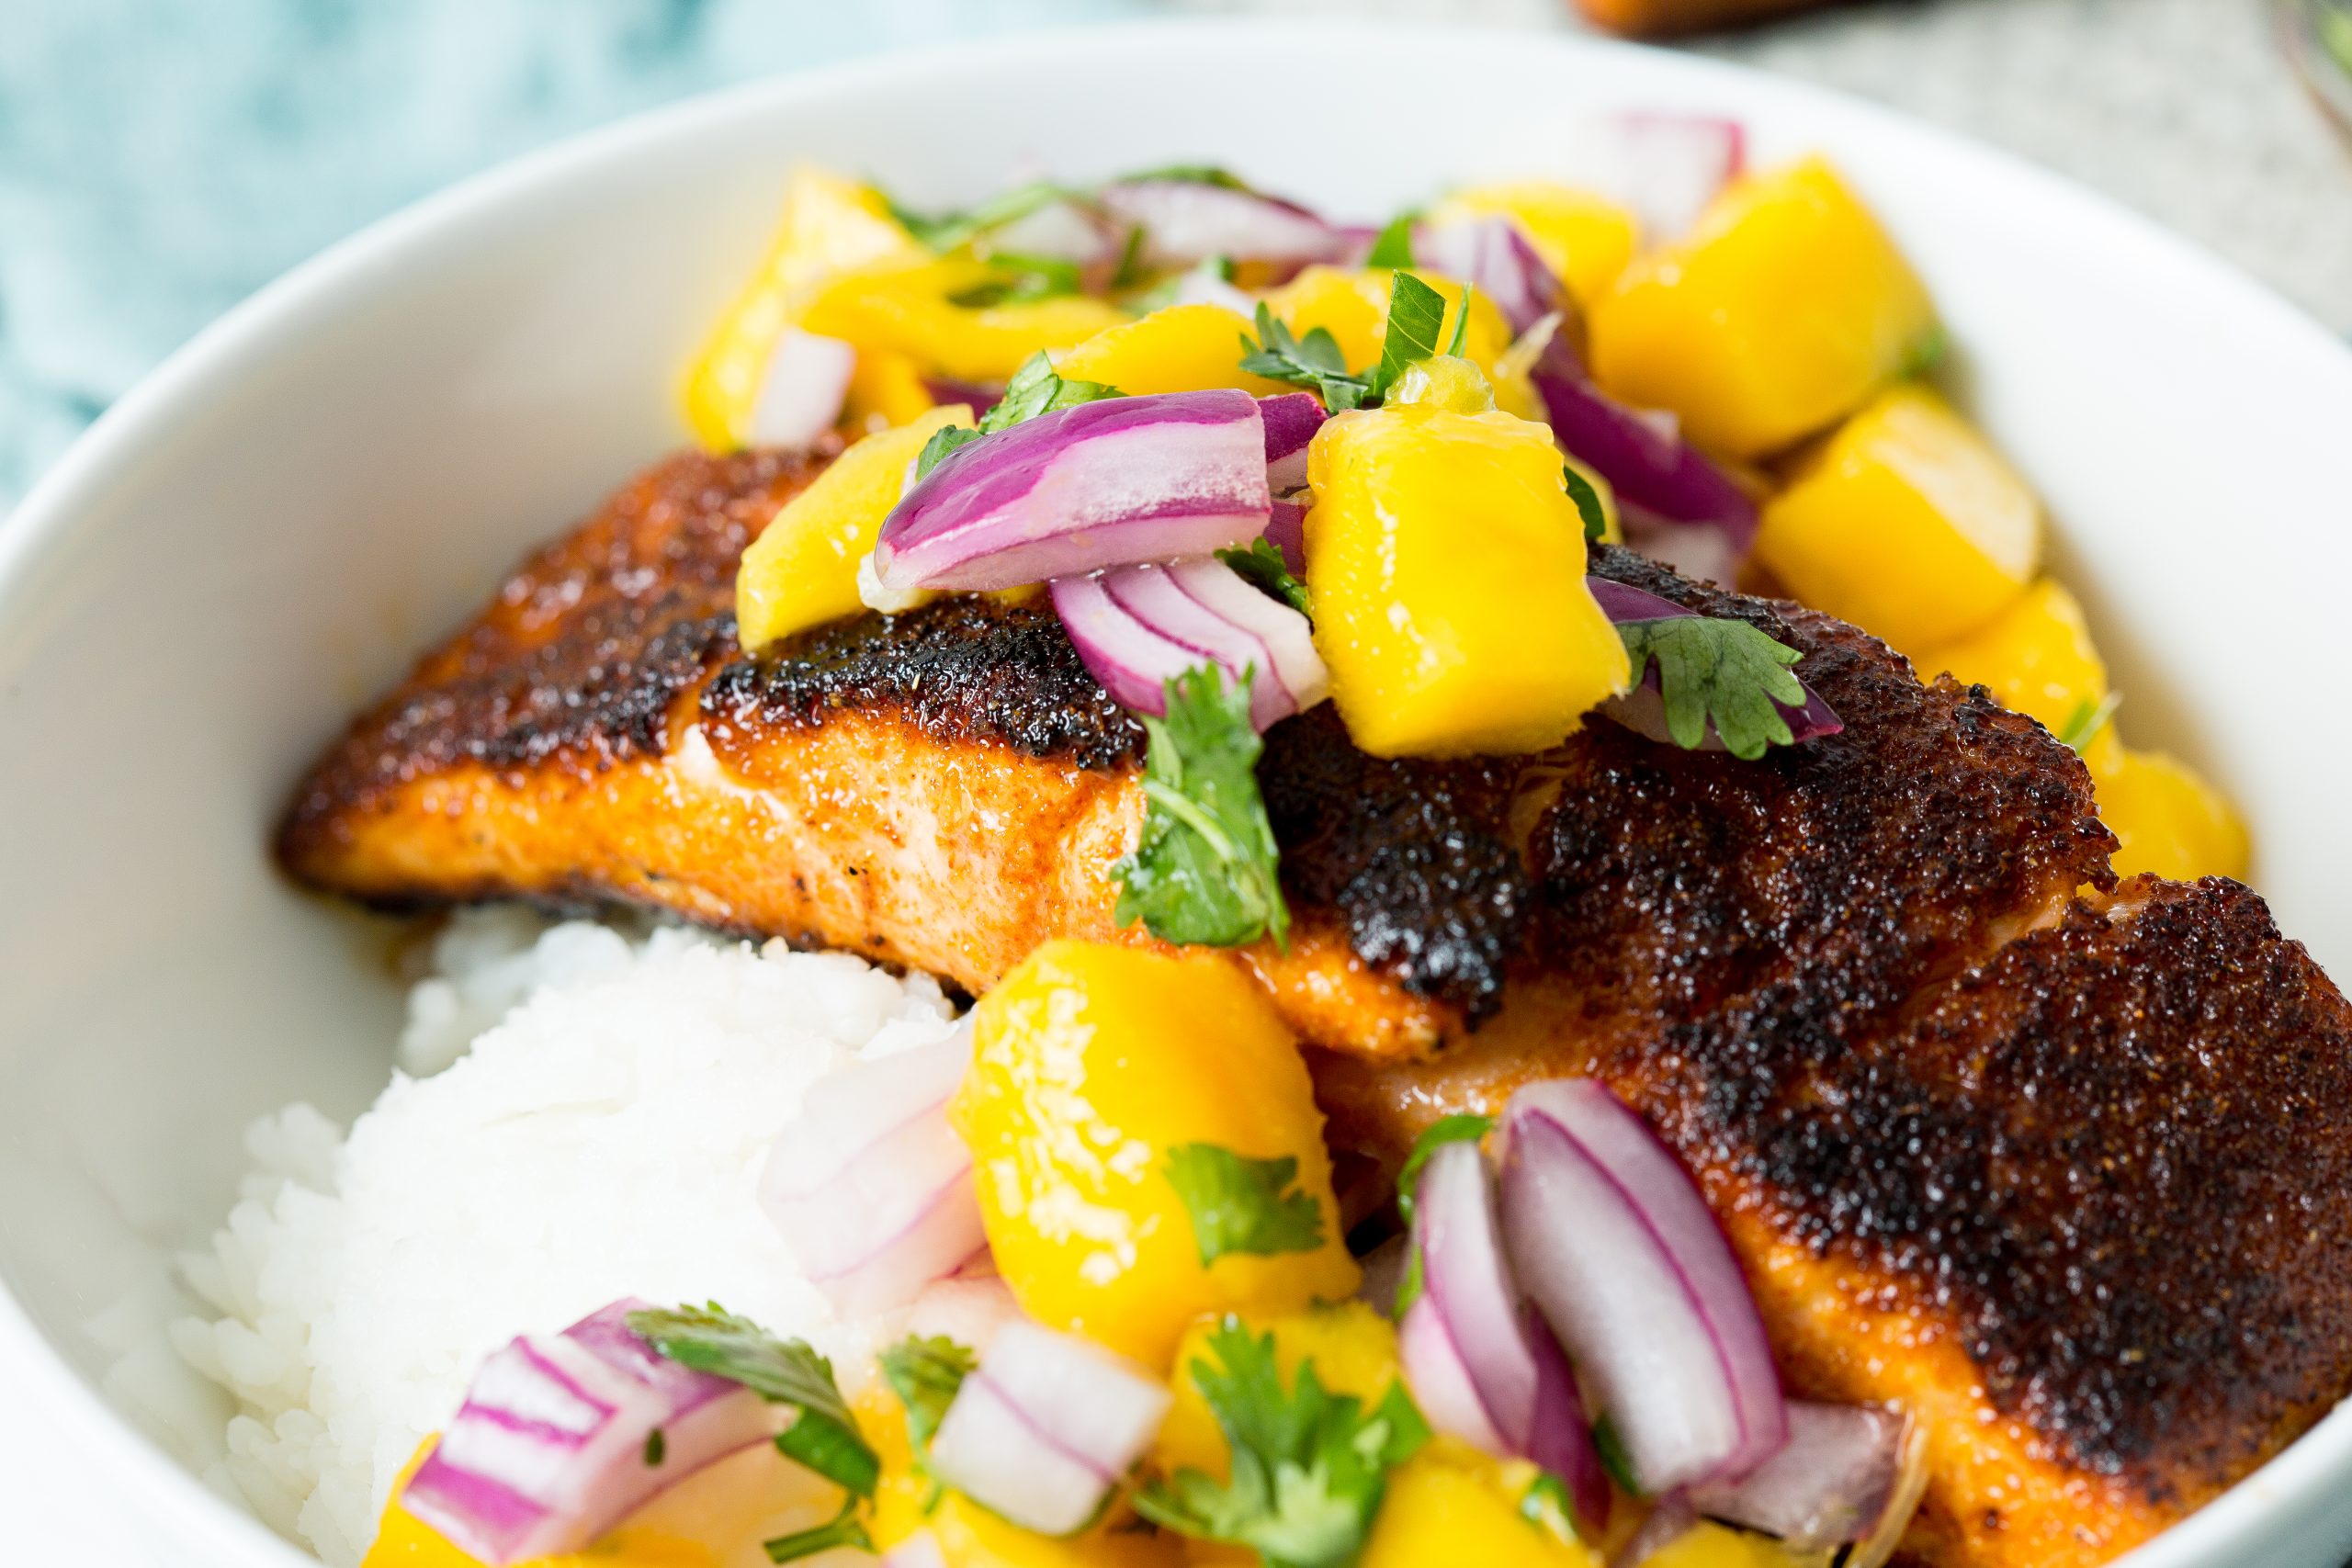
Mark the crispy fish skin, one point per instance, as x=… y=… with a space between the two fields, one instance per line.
x=2064 y=1168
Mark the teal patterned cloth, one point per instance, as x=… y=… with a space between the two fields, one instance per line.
x=160 y=159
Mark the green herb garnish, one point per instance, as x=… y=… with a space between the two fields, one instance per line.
x=1718 y=669
x=949 y=230
x=1313 y=362
x=823 y=1436
x=2082 y=726
x=1186 y=175
x=1240 y=1205
x=1393 y=247
x=1205 y=871
x=1309 y=1467
x=1416 y=316
x=1456 y=1129
x=1018 y=279
x=1613 y=1457
x=1586 y=499
x=1926 y=353
x=926 y=1375
x=1034 y=389
x=847 y=1530
x=1261 y=565
x=1546 y=1504
x=656 y=1448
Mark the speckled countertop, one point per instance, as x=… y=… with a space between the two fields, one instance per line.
x=160 y=159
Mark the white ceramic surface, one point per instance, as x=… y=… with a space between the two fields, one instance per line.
x=275 y=524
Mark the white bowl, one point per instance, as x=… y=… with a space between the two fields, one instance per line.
x=275 y=524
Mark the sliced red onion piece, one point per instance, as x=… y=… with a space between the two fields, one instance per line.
x=1437 y=1369
x=1064 y=230
x=1643 y=709
x=968 y=1309
x=801 y=394
x=551 y=1449
x=1045 y=1426
x=1613 y=1242
x=1701 y=553
x=1492 y=255
x=1561 y=1440
x=1287 y=529
x=1841 y=1470
x=1138 y=626
x=1115 y=482
x=869 y=1184
x=1185 y=222
x=1649 y=465
x=1666 y=1524
x=977 y=395
x=1291 y=421
x=1205 y=284
x=1664 y=164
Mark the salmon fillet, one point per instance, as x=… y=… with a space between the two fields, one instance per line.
x=2065 y=1168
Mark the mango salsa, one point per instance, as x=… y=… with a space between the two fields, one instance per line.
x=1784 y=311
x=1907 y=522
x=1584 y=239
x=802 y=569
x=911 y=308
x=1451 y=1504
x=1353 y=1349
x=1352 y=306
x=1184 y=348
x=2168 y=819
x=1447 y=567
x=1092 y=1065
x=830 y=225
x=2036 y=656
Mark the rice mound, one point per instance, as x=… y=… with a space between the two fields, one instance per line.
x=579 y=1114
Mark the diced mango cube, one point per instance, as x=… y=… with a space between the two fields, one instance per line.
x=830 y=225
x=911 y=308
x=1709 y=1545
x=1447 y=567
x=1184 y=348
x=2036 y=656
x=1451 y=1504
x=2167 y=818
x=1353 y=1349
x=1784 y=311
x=1584 y=239
x=802 y=569
x=1092 y=1065
x=1907 y=522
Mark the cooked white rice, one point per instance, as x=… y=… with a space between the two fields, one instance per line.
x=579 y=1115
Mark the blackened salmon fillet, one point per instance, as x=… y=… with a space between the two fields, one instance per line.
x=2063 y=1167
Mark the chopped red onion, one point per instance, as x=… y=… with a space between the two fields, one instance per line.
x=1138 y=627
x=1064 y=230
x=553 y=1446
x=1184 y=221
x=1665 y=164
x=968 y=1308
x=1115 y=482
x=801 y=391
x=977 y=395
x=1290 y=420
x=870 y=1185
x=1206 y=285
x=1834 y=1482
x=1643 y=709
x=1492 y=255
x=1286 y=530
x=1613 y=1242
x=1667 y=1523
x=1045 y=1426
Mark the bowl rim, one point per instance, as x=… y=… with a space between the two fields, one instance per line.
x=250 y=333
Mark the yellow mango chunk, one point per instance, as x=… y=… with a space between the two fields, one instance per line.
x=2036 y=656
x=1353 y=1349
x=1091 y=1064
x=1584 y=239
x=2167 y=818
x=1447 y=567
x=885 y=389
x=802 y=569
x=1184 y=348
x=830 y=225
x=1709 y=1545
x=1451 y=1504
x=910 y=309
x=971 y=1537
x=1907 y=522
x=1784 y=311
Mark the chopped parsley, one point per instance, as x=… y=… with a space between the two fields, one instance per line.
x=949 y=230
x=1587 y=499
x=1416 y=317
x=2082 y=726
x=1205 y=871
x=823 y=1436
x=657 y=1448
x=1263 y=566
x=1613 y=1457
x=846 y=1529
x=1455 y=1129
x=1034 y=389
x=1546 y=1504
x=1309 y=1467
x=1720 y=671
x=1018 y=279
x=1187 y=174
x=926 y=1375
x=1393 y=247
x=1240 y=1205
x=1313 y=362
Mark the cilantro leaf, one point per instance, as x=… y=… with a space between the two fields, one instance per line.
x=949 y=230
x=1309 y=1467
x=1615 y=1460
x=926 y=1375
x=1263 y=566
x=1393 y=247
x=1018 y=279
x=1719 y=669
x=1313 y=361
x=1546 y=1504
x=1240 y=1205
x=1187 y=174
x=2082 y=726
x=846 y=1529
x=1034 y=389
x=1205 y=869
x=823 y=1437
x=1416 y=316
x=1586 y=499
